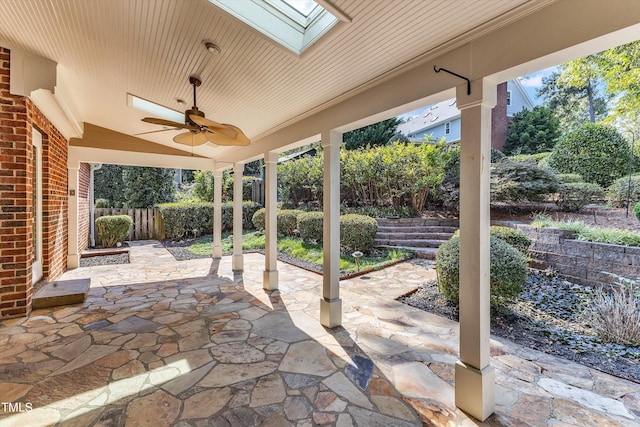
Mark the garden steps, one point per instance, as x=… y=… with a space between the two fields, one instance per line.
x=420 y=235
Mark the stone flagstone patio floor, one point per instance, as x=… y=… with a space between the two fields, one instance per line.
x=166 y=343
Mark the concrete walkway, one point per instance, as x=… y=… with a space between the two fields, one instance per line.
x=167 y=343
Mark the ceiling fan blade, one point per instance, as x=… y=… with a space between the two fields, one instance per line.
x=216 y=127
x=218 y=139
x=154 y=131
x=164 y=122
x=191 y=139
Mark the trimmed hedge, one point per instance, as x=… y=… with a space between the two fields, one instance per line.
x=617 y=192
x=101 y=203
x=357 y=232
x=508 y=270
x=181 y=219
x=287 y=222
x=573 y=196
x=515 y=238
x=636 y=210
x=111 y=229
x=258 y=219
x=310 y=226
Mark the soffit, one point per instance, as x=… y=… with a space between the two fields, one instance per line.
x=149 y=48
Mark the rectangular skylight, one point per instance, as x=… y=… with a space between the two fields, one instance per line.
x=154 y=109
x=294 y=24
x=304 y=7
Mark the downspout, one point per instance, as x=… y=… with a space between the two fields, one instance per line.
x=92 y=227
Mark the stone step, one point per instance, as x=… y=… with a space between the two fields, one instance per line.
x=404 y=222
x=425 y=253
x=417 y=229
x=413 y=236
x=415 y=243
x=61 y=292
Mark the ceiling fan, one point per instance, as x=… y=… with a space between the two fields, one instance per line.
x=201 y=130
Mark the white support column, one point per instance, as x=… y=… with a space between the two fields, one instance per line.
x=270 y=276
x=73 y=257
x=237 y=262
x=474 y=375
x=331 y=304
x=217 y=214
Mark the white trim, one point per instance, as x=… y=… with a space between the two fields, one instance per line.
x=36 y=266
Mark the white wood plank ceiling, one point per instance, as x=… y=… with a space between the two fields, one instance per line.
x=108 y=48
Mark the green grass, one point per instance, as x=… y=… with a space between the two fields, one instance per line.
x=588 y=233
x=297 y=248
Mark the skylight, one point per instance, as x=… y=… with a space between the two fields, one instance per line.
x=294 y=24
x=154 y=109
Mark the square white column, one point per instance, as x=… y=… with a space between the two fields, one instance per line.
x=237 y=262
x=270 y=276
x=73 y=257
x=217 y=214
x=331 y=304
x=474 y=376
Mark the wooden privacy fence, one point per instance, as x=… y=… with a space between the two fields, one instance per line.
x=147 y=223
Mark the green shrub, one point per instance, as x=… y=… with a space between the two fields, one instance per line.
x=357 y=232
x=111 y=229
x=515 y=238
x=287 y=222
x=566 y=178
x=508 y=270
x=541 y=159
x=101 y=203
x=258 y=219
x=573 y=196
x=636 y=210
x=182 y=219
x=310 y=225
x=595 y=151
x=515 y=181
x=617 y=192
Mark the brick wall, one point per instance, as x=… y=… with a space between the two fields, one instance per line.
x=54 y=194
x=84 y=182
x=15 y=203
x=18 y=116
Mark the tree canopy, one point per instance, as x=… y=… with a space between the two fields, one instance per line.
x=108 y=185
x=147 y=187
x=532 y=131
x=373 y=135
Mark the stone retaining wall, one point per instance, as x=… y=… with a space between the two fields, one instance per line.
x=580 y=262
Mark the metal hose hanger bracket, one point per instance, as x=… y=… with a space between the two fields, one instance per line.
x=437 y=70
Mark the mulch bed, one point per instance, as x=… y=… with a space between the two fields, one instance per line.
x=547 y=317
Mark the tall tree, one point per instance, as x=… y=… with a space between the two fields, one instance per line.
x=619 y=68
x=380 y=133
x=532 y=131
x=108 y=185
x=146 y=187
x=570 y=104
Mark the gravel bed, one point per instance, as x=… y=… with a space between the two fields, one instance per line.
x=93 y=261
x=547 y=317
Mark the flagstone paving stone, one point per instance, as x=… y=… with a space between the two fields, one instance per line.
x=166 y=343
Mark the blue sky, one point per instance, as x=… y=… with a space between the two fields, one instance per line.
x=531 y=82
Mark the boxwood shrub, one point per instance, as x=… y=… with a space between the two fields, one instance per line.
x=515 y=238
x=288 y=222
x=573 y=196
x=182 y=219
x=258 y=219
x=310 y=225
x=357 y=232
x=111 y=229
x=617 y=192
x=508 y=270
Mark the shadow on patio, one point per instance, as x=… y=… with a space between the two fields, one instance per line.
x=160 y=342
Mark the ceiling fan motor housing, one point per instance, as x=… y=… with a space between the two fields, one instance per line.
x=193 y=111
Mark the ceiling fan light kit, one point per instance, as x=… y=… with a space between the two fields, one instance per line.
x=200 y=129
